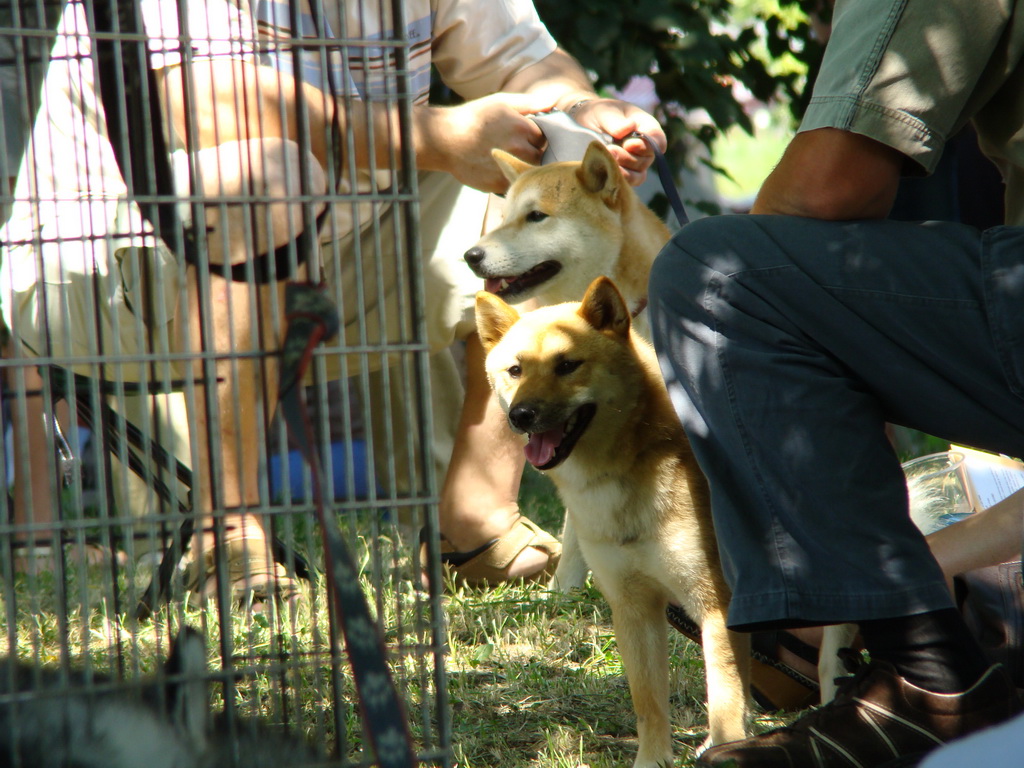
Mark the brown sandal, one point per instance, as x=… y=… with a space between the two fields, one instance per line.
x=488 y=565
x=253 y=576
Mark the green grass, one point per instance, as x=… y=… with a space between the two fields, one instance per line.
x=533 y=678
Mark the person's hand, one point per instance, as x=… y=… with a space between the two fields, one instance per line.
x=619 y=119
x=459 y=139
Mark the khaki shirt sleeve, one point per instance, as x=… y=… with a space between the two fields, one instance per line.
x=480 y=44
x=908 y=73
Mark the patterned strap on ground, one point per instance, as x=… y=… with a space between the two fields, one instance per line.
x=312 y=318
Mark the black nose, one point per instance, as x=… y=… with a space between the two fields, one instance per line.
x=522 y=417
x=474 y=255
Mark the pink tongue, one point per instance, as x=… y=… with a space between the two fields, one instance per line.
x=541 y=447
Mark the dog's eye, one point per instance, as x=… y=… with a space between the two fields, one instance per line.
x=514 y=372
x=534 y=216
x=565 y=367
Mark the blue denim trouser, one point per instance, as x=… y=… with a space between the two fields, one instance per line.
x=787 y=344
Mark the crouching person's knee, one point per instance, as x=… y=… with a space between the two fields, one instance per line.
x=690 y=260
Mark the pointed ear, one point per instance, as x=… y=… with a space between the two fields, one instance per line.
x=510 y=165
x=599 y=173
x=493 y=319
x=604 y=308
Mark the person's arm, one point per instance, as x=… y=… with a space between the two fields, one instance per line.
x=832 y=174
x=234 y=100
x=989 y=537
x=459 y=139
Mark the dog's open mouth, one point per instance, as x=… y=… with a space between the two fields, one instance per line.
x=507 y=287
x=546 y=450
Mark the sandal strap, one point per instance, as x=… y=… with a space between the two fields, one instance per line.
x=245 y=551
x=773 y=684
x=489 y=563
x=767 y=642
x=455 y=559
x=525 y=533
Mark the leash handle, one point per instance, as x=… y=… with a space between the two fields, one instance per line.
x=667 y=182
x=568 y=140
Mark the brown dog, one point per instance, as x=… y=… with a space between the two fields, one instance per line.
x=586 y=390
x=564 y=225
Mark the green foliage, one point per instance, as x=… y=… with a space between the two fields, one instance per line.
x=696 y=52
x=702 y=56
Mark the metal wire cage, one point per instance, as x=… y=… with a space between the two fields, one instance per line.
x=170 y=167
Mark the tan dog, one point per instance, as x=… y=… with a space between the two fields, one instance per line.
x=586 y=390
x=564 y=225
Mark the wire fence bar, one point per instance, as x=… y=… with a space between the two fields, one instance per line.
x=168 y=167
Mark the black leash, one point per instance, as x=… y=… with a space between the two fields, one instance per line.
x=133 y=131
x=667 y=182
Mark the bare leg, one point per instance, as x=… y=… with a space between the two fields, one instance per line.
x=480 y=491
x=245 y=386
x=36 y=476
x=234 y=319
x=227 y=435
